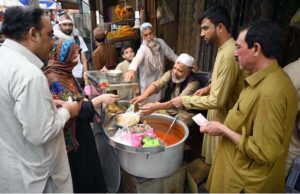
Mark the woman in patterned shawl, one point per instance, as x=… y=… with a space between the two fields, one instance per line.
x=80 y=142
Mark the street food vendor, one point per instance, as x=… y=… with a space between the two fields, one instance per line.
x=180 y=81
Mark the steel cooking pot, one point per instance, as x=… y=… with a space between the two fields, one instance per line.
x=154 y=162
x=114 y=76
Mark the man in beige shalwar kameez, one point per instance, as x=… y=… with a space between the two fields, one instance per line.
x=256 y=134
x=226 y=81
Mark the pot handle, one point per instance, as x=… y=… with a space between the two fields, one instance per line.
x=140 y=150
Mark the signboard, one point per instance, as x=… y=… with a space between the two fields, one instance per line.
x=48 y=4
x=44 y=4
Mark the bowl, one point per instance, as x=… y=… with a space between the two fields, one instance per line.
x=126 y=119
x=117 y=107
x=114 y=73
x=114 y=76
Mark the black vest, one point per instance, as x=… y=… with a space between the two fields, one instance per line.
x=171 y=86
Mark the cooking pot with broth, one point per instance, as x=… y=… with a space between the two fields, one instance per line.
x=155 y=162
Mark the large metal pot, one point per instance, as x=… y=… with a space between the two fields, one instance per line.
x=114 y=76
x=154 y=162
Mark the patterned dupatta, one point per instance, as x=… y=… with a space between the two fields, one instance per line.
x=62 y=83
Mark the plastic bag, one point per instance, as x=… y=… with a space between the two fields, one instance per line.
x=90 y=91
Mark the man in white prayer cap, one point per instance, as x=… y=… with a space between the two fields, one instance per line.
x=180 y=81
x=150 y=59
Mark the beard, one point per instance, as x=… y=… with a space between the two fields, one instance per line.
x=151 y=43
x=212 y=39
x=67 y=32
x=177 y=80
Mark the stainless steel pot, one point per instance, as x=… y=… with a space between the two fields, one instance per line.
x=154 y=162
x=114 y=76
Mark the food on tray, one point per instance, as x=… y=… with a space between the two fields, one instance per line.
x=121 y=32
x=149 y=141
x=140 y=128
x=123 y=13
x=115 y=108
x=142 y=135
x=126 y=119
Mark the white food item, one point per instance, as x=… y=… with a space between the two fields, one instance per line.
x=127 y=119
x=70 y=99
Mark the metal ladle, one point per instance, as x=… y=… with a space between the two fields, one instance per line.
x=175 y=118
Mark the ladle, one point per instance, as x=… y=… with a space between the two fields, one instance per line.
x=175 y=118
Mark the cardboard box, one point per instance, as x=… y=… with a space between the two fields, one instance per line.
x=197 y=173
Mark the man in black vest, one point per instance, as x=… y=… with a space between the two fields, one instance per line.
x=179 y=81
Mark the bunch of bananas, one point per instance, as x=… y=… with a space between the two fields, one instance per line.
x=121 y=32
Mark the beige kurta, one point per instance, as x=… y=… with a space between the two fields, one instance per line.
x=190 y=89
x=124 y=93
x=264 y=115
x=123 y=66
x=226 y=84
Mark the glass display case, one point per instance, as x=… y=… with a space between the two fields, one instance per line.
x=117 y=85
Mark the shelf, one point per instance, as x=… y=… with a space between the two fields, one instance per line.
x=125 y=21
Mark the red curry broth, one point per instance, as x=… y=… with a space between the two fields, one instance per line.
x=160 y=129
x=170 y=139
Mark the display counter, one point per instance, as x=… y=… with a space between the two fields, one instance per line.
x=117 y=85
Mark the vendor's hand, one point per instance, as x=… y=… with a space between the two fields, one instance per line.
x=104 y=70
x=213 y=128
x=86 y=78
x=129 y=76
x=177 y=102
x=105 y=98
x=137 y=99
x=202 y=91
x=59 y=103
x=73 y=108
x=147 y=109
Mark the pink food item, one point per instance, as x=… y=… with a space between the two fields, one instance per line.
x=90 y=90
x=136 y=138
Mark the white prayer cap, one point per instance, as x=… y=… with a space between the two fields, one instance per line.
x=145 y=26
x=65 y=19
x=186 y=59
